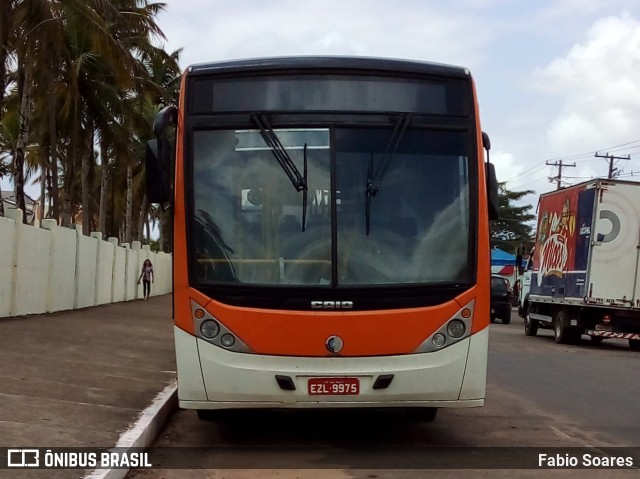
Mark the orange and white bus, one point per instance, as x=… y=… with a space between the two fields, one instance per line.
x=331 y=234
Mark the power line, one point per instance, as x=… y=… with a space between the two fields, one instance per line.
x=611 y=158
x=529 y=182
x=558 y=178
x=578 y=156
x=591 y=153
x=525 y=171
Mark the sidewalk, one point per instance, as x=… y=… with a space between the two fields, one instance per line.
x=80 y=378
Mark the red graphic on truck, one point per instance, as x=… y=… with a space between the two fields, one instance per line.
x=554 y=243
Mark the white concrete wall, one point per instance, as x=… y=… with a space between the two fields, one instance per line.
x=61 y=291
x=7 y=232
x=132 y=271
x=86 y=258
x=163 y=276
x=31 y=273
x=119 y=268
x=52 y=269
x=104 y=268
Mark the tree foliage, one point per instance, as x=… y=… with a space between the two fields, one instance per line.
x=80 y=83
x=514 y=228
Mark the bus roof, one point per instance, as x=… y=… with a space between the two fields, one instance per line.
x=370 y=64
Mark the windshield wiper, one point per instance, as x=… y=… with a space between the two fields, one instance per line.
x=374 y=180
x=299 y=181
x=306 y=191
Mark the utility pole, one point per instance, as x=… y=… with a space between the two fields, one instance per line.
x=612 y=171
x=560 y=165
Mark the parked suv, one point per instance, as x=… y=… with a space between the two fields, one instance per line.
x=501 y=299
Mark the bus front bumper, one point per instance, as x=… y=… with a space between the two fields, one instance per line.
x=212 y=378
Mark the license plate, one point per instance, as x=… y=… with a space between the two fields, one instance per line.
x=602 y=327
x=334 y=386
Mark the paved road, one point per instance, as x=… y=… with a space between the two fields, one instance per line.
x=540 y=394
x=80 y=378
x=595 y=387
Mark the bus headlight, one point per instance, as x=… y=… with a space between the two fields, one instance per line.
x=439 y=340
x=227 y=340
x=209 y=329
x=456 y=328
x=212 y=330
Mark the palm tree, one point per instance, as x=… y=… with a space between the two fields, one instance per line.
x=9 y=129
x=30 y=32
x=7 y=45
x=85 y=75
x=108 y=72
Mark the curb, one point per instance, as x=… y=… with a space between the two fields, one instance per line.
x=144 y=431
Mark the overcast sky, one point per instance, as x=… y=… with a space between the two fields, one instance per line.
x=556 y=79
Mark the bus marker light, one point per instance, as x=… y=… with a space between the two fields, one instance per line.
x=210 y=329
x=383 y=381
x=456 y=328
x=199 y=313
x=227 y=340
x=439 y=340
x=285 y=382
x=466 y=313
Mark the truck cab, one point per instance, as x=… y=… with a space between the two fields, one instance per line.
x=525 y=286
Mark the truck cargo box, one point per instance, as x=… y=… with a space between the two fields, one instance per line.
x=588 y=245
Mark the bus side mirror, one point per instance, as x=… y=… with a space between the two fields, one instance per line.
x=157 y=182
x=493 y=201
x=159 y=159
x=486 y=142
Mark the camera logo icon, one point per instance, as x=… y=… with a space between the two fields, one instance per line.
x=23 y=458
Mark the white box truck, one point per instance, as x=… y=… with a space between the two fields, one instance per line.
x=583 y=274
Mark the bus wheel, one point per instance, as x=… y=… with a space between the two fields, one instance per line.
x=209 y=414
x=530 y=325
x=634 y=344
x=423 y=414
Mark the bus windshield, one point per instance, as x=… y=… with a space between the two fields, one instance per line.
x=247 y=219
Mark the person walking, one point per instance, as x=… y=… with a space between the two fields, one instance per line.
x=146 y=275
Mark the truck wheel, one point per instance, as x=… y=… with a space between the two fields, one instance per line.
x=559 y=329
x=530 y=325
x=634 y=344
x=563 y=333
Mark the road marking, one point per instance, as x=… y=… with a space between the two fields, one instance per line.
x=560 y=433
x=144 y=431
